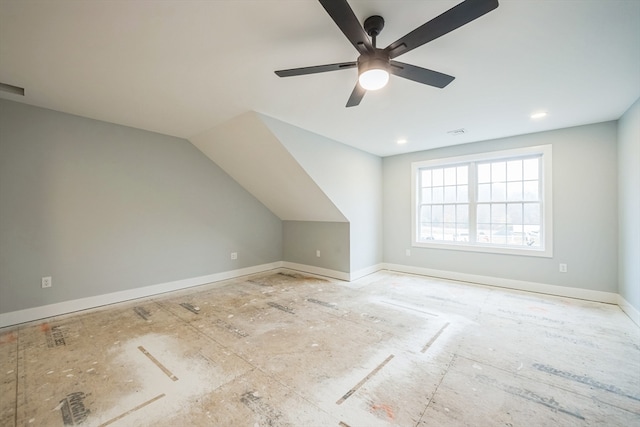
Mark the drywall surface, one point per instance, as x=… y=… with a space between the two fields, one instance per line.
x=103 y=208
x=584 y=212
x=301 y=241
x=629 y=205
x=351 y=178
x=248 y=151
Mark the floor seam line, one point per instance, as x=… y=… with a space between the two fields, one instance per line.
x=455 y=356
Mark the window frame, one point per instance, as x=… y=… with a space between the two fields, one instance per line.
x=546 y=214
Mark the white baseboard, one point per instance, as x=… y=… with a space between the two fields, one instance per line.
x=36 y=313
x=629 y=310
x=366 y=271
x=521 y=285
x=341 y=275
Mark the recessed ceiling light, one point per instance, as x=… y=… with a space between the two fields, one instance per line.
x=401 y=141
x=539 y=115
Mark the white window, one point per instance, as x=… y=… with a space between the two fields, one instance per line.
x=492 y=202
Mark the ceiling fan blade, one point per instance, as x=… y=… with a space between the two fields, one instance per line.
x=316 y=69
x=346 y=20
x=420 y=75
x=356 y=96
x=453 y=18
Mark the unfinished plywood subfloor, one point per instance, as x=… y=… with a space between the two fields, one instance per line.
x=286 y=349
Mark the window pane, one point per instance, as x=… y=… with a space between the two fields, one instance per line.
x=450 y=176
x=498 y=172
x=514 y=213
x=483 y=213
x=426 y=195
x=436 y=231
x=438 y=194
x=484 y=172
x=425 y=232
x=531 y=190
x=515 y=236
x=463 y=174
x=514 y=191
x=425 y=180
x=514 y=170
x=484 y=192
x=498 y=234
x=498 y=213
x=532 y=236
x=449 y=232
x=450 y=213
x=437 y=178
x=462 y=214
x=498 y=192
x=484 y=233
x=450 y=194
x=463 y=193
x=462 y=233
x=531 y=168
x=532 y=213
x=425 y=214
x=436 y=214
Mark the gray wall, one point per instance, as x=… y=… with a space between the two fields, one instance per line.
x=104 y=208
x=584 y=212
x=351 y=178
x=629 y=205
x=301 y=240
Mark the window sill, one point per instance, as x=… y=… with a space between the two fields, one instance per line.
x=503 y=250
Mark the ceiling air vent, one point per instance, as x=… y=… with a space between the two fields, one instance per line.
x=457 y=132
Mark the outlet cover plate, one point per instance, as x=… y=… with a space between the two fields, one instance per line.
x=46 y=282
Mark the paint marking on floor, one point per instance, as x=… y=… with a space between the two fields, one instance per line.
x=281 y=307
x=130 y=411
x=364 y=380
x=434 y=338
x=584 y=379
x=158 y=364
x=192 y=308
x=323 y=303
x=549 y=402
x=142 y=312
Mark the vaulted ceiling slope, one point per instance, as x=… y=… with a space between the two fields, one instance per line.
x=183 y=67
x=246 y=149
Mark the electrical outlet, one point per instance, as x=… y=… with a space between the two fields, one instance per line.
x=407 y=252
x=46 y=282
x=563 y=268
x=234 y=255
x=318 y=253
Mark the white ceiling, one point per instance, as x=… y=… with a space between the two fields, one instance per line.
x=183 y=67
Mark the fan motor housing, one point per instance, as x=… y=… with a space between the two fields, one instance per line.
x=378 y=59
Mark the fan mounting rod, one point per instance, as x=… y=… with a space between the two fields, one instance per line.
x=373 y=25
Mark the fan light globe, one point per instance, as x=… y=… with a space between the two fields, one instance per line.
x=373 y=79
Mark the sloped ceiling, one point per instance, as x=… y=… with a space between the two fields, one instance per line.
x=246 y=149
x=182 y=67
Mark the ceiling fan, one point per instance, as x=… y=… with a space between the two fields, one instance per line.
x=374 y=64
